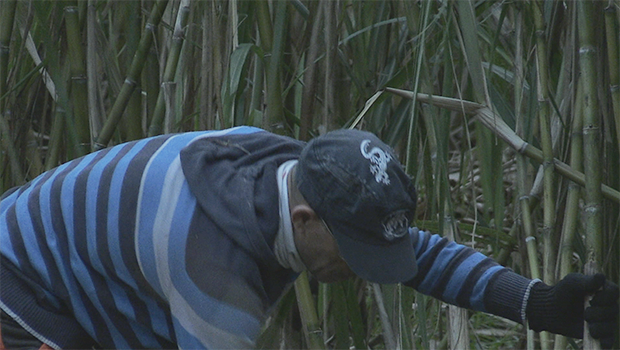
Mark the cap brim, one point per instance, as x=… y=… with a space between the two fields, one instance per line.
x=385 y=264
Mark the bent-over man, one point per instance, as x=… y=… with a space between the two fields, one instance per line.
x=188 y=240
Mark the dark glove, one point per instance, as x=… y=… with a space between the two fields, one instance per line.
x=560 y=308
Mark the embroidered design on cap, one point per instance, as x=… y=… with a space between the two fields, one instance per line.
x=378 y=161
x=395 y=225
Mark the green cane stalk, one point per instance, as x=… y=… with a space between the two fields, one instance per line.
x=133 y=75
x=310 y=81
x=307 y=309
x=78 y=93
x=437 y=138
x=542 y=70
x=525 y=205
x=591 y=129
x=58 y=125
x=503 y=131
x=171 y=67
x=131 y=125
x=525 y=217
x=489 y=152
x=354 y=312
x=265 y=27
x=613 y=59
x=331 y=35
x=255 y=117
x=418 y=66
x=272 y=45
x=386 y=325
x=94 y=110
x=275 y=103
x=571 y=213
x=7 y=16
x=591 y=139
x=207 y=115
x=7 y=144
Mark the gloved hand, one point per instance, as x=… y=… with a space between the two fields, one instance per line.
x=560 y=308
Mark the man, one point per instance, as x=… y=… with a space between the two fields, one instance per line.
x=188 y=240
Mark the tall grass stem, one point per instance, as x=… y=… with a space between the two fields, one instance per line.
x=133 y=75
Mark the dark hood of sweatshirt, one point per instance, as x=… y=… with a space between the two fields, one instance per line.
x=234 y=180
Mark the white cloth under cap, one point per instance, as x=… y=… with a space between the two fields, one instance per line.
x=284 y=246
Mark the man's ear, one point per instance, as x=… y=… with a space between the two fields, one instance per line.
x=301 y=215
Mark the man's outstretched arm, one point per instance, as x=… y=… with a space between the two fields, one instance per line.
x=461 y=276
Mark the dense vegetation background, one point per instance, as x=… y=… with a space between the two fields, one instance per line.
x=523 y=187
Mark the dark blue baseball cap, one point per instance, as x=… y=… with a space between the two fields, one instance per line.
x=355 y=183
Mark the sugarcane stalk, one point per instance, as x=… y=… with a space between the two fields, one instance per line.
x=36 y=58
x=571 y=207
x=457 y=317
x=574 y=191
x=7 y=16
x=418 y=67
x=517 y=18
x=330 y=32
x=524 y=219
x=310 y=81
x=519 y=70
x=58 y=125
x=265 y=31
x=7 y=144
x=207 y=115
x=542 y=90
x=78 y=92
x=33 y=156
x=503 y=131
x=354 y=311
x=591 y=267
x=265 y=28
x=307 y=309
x=234 y=22
x=323 y=300
x=571 y=214
x=386 y=325
x=275 y=106
x=339 y=315
x=613 y=59
x=533 y=201
x=469 y=37
x=591 y=137
x=131 y=125
x=233 y=27
x=256 y=115
x=591 y=129
x=169 y=91
x=92 y=80
x=133 y=75
x=171 y=67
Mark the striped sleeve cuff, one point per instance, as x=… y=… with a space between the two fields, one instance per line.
x=507 y=295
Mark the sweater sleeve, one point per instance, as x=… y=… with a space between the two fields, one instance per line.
x=461 y=276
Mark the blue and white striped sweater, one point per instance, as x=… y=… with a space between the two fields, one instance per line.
x=166 y=208
x=78 y=264
x=118 y=238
